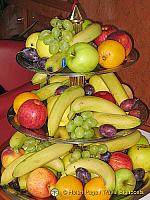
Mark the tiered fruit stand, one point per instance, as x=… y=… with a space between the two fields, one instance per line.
x=75 y=79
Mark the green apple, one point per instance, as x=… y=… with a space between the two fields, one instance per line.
x=125 y=181
x=32 y=40
x=143 y=140
x=82 y=57
x=86 y=23
x=140 y=154
x=42 y=49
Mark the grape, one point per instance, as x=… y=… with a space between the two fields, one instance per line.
x=63 y=46
x=91 y=122
x=59 y=24
x=43 y=34
x=107 y=130
x=67 y=24
x=139 y=185
x=72 y=160
x=94 y=149
x=85 y=125
x=41 y=62
x=29 y=141
x=139 y=174
x=70 y=126
x=14 y=184
x=86 y=115
x=76 y=155
x=48 y=39
x=61 y=89
x=103 y=148
x=56 y=32
x=40 y=147
x=83 y=175
x=78 y=120
x=30 y=54
x=86 y=154
x=73 y=135
x=30 y=149
x=79 y=131
x=54 y=47
x=128 y=104
x=105 y=157
x=54 y=22
x=89 y=90
x=135 y=113
x=67 y=35
x=88 y=133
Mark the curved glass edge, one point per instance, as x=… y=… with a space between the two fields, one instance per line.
x=131 y=59
x=42 y=133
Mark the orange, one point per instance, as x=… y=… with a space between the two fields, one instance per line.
x=111 y=54
x=21 y=98
x=69 y=188
x=95 y=189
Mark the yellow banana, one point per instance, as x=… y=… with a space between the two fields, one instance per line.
x=97 y=82
x=92 y=103
x=50 y=103
x=62 y=103
x=118 y=121
x=115 y=87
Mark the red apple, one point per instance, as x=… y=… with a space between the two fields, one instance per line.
x=120 y=160
x=9 y=155
x=32 y=114
x=40 y=182
x=105 y=95
x=106 y=30
x=124 y=38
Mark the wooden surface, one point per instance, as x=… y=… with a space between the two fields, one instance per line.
x=132 y=16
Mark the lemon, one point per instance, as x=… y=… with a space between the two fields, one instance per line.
x=111 y=54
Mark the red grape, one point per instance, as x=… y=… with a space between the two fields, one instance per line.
x=107 y=130
x=128 y=104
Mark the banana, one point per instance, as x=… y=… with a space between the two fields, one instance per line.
x=92 y=103
x=55 y=79
x=22 y=180
x=40 y=158
x=62 y=133
x=97 y=82
x=95 y=166
x=118 y=121
x=7 y=175
x=87 y=35
x=56 y=164
x=115 y=87
x=38 y=78
x=127 y=140
x=54 y=63
x=50 y=103
x=62 y=103
x=47 y=91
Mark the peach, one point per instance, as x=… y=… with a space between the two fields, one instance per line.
x=124 y=38
x=9 y=155
x=40 y=182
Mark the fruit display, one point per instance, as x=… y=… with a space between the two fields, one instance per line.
x=77 y=136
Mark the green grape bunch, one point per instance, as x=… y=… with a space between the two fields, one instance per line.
x=59 y=37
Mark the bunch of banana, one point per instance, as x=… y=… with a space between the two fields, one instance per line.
x=60 y=106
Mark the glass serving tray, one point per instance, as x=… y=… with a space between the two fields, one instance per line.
x=42 y=133
x=32 y=66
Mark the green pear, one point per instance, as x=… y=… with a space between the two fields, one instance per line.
x=125 y=181
x=32 y=40
x=140 y=155
x=143 y=140
x=42 y=49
